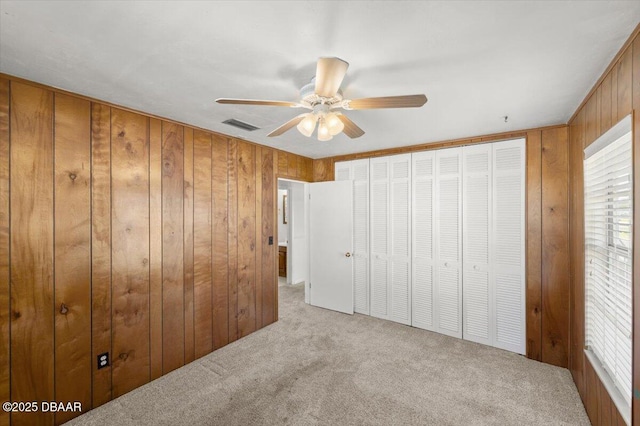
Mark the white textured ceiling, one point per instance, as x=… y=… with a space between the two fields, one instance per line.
x=475 y=61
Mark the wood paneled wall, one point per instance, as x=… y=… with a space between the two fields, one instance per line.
x=616 y=95
x=547 y=297
x=128 y=234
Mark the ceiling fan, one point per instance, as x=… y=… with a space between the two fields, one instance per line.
x=324 y=98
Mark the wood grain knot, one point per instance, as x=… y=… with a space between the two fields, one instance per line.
x=121 y=134
x=72 y=176
x=123 y=356
x=63 y=309
x=536 y=310
x=16 y=314
x=145 y=261
x=552 y=209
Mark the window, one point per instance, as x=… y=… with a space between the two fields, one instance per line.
x=608 y=210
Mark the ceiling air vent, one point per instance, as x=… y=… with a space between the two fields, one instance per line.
x=240 y=124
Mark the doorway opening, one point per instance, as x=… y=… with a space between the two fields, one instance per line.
x=293 y=233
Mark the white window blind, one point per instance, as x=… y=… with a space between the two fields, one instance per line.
x=608 y=186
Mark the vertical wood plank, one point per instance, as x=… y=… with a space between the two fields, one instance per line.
x=605 y=106
x=283 y=164
x=101 y=249
x=534 y=245
x=591 y=118
x=614 y=95
x=323 y=170
x=555 y=256
x=605 y=405
x=577 y=130
x=305 y=169
x=220 y=237
x=269 y=280
x=130 y=245
x=32 y=326
x=4 y=248
x=592 y=404
x=261 y=242
x=636 y=230
x=598 y=101
x=72 y=252
x=292 y=167
x=246 y=238
x=625 y=83
x=202 y=242
x=233 y=248
x=172 y=247
x=155 y=246
x=189 y=345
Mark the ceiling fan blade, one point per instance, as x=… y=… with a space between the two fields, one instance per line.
x=408 y=101
x=329 y=75
x=287 y=126
x=257 y=102
x=350 y=128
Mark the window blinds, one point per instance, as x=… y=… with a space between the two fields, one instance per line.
x=608 y=186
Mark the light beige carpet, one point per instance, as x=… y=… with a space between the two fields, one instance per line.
x=320 y=367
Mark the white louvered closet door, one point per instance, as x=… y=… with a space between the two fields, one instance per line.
x=509 y=243
x=400 y=238
x=379 y=231
x=422 y=226
x=448 y=277
x=476 y=232
x=360 y=170
x=343 y=170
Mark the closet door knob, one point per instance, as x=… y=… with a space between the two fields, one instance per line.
x=347 y=254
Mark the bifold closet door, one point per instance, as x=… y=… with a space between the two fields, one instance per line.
x=448 y=233
x=509 y=242
x=477 y=230
x=400 y=239
x=493 y=244
x=390 y=192
x=422 y=225
x=379 y=193
x=358 y=171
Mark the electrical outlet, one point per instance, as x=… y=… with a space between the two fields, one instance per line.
x=270 y=241
x=103 y=360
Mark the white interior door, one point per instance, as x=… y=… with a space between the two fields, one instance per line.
x=331 y=239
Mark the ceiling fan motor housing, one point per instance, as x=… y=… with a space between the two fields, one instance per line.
x=310 y=98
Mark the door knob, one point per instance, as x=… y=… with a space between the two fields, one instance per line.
x=347 y=254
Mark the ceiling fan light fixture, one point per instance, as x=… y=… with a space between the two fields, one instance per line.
x=308 y=124
x=323 y=130
x=334 y=123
